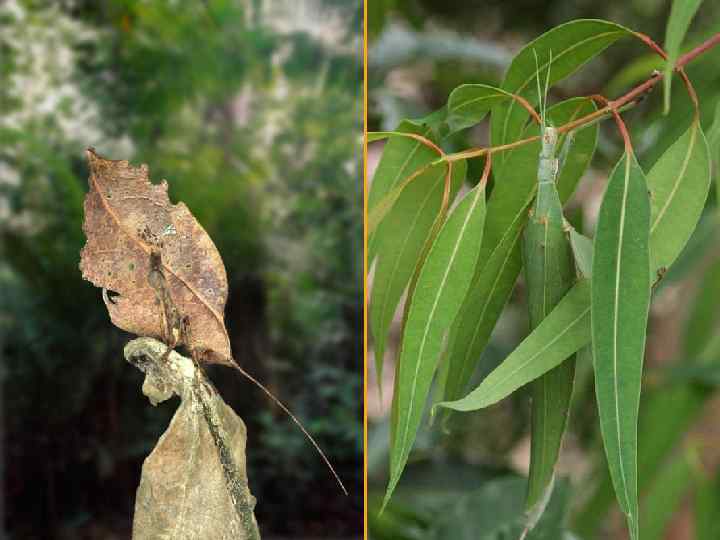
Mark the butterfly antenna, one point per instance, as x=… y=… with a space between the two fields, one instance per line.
x=294 y=419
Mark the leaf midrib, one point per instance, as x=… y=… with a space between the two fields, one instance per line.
x=417 y=145
x=146 y=248
x=432 y=312
x=686 y=161
x=384 y=303
x=497 y=279
x=475 y=100
x=616 y=308
x=522 y=366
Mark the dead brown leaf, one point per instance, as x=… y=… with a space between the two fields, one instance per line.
x=194 y=483
x=166 y=274
x=127 y=220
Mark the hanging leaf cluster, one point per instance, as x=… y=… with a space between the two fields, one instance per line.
x=585 y=295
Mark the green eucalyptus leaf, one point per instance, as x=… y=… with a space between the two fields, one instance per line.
x=400 y=158
x=500 y=258
x=386 y=204
x=681 y=14
x=437 y=122
x=441 y=285
x=469 y=103
x=620 y=302
x=571 y=45
x=406 y=230
x=565 y=330
x=679 y=183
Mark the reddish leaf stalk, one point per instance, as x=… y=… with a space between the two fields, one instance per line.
x=486 y=171
x=622 y=128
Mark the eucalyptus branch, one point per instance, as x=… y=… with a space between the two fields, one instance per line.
x=614 y=105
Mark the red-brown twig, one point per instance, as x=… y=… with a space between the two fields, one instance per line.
x=486 y=171
x=613 y=105
x=622 y=128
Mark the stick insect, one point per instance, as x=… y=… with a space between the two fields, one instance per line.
x=549 y=273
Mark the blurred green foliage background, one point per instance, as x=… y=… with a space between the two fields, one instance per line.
x=252 y=110
x=419 y=51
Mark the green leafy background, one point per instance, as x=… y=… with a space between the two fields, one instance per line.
x=252 y=111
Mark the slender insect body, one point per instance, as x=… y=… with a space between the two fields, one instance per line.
x=549 y=274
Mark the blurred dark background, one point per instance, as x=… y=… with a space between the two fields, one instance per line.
x=252 y=110
x=464 y=479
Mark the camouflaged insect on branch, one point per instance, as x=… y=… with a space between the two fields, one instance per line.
x=129 y=224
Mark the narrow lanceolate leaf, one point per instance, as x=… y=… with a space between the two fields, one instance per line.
x=500 y=259
x=681 y=14
x=380 y=211
x=679 y=183
x=469 y=103
x=400 y=158
x=406 y=230
x=572 y=44
x=620 y=301
x=549 y=273
x=441 y=286
x=559 y=335
x=678 y=405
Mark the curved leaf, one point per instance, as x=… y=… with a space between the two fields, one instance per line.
x=571 y=45
x=441 y=286
x=469 y=103
x=681 y=14
x=133 y=233
x=406 y=228
x=565 y=330
x=500 y=260
x=379 y=212
x=400 y=158
x=620 y=302
x=679 y=183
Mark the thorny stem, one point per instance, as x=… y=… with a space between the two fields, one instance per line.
x=611 y=107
